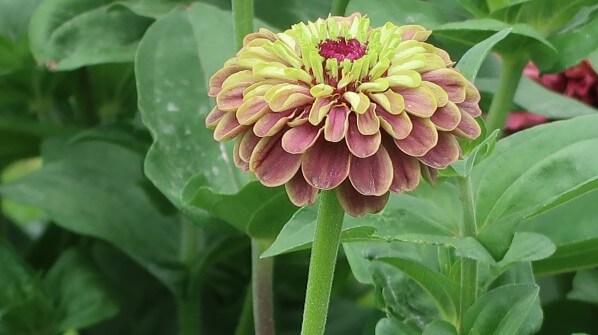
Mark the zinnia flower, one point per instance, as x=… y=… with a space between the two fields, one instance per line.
x=335 y=104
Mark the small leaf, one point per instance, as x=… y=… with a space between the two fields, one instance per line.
x=440 y=327
x=472 y=60
x=467 y=247
x=527 y=247
x=390 y=327
x=569 y=257
x=507 y=310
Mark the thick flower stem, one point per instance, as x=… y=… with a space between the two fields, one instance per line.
x=509 y=80
x=188 y=306
x=261 y=279
x=321 y=267
x=469 y=267
x=338 y=7
x=243 y=19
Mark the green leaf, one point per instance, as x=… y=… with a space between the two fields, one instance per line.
x=574 y=45
x=94 y=189
x=467 y=247
x=14 y=17
x=464 y=167
x=390 y=327
x=527 y=247
x=472 y=60
x=67 y=34
x=530 y=172
x=479 y=8
x=175 y=59
x=507 y=310
x=585 y=286
x=495 y=5
x=401 y=12
x=283 y=14
x=258 y=210
x=440 y=327
x=81 y=293
x=443 y=290
x=533 y=97
x=522 y=39
x=569 y=257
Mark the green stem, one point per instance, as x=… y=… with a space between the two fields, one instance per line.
x=189 y=305
x=243 y=19
x=261 y=279
x=469 y=267
x=321 y=267
x=338 y=7
x=509 y=80
x=245 y=324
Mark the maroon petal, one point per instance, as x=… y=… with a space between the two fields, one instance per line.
x=300 y=192
x=357 y=204
x=398 y=126
x=472 y=100
x=228 y=128
x=326 y=164
x=440 y=94
x=361 y=145
x=214 y=117
x=447 y=118
x=336 y=124
x=372 y=175
x=468 y=127
x=428 y=173
x=220 y=76
x=247 y=145
x=271 y=123
x=406 y=172
x=450 y=80
x=368 y=123
x=273 y=166
x=297 y=140
x=422 y=138
x=252 y=109
x=445 y=153
x=240 y=163
x=419 y=101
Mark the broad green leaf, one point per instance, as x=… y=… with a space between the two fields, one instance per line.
x=283 y=14
x=507 y=310
x=522 y=39
x=574 y=45
x=585 y=286
x=467 y=247
x=14 y=17
x=526 y=247
x=401 y=12
x=81 y=293
x=530 y=172
x=441 y=289
x=495 y=5
x=440 y=327
x=593 y=58
x=479 y=8
x=389 y=327
x=258 y=210
x=481 y=150
x=67 y=34
x=472 y=60
x=535 y=98
x=569 y=257
x=94 y=189
x=153 y=8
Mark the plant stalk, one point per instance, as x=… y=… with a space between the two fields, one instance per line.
x=512 y=68
x=338 y=7
x=261 y=279
x=189 y=305
x=321 y=266
x=243 y=20
x=469 y=267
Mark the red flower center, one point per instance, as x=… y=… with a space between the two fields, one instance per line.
x=341 y=49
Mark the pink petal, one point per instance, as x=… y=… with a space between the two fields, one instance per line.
x=372 y=175
x=357 y=204
x=368 y=123
x=406 y=172
x=472 y=100
x=228 y=128
x=422 y=138
x=319 y=109
x=252 y=109
x=214 y=117
x=298 y=139
x=271 y=123
x=468 y=127
x=445 y=153
x=272 y=165
x=450 y=80
x=419 y=101
x=336 y=124
x=398 y=126
x=361 y=145
x=447 y=118
x=326 y=164
x=240 y=163
x=247 y=145
x=231 y=98
x=440 y=94
x=300 y=192
x=220 y=76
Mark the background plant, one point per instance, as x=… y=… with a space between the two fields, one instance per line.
x=114 y=193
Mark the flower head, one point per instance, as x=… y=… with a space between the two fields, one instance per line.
x=337 y=104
